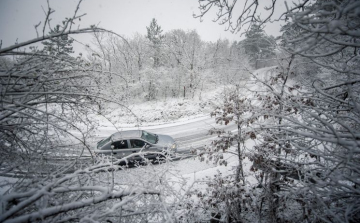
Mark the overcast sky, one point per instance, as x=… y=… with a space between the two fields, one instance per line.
x=125 y=17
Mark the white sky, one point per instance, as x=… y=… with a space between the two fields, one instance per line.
x=125 y=17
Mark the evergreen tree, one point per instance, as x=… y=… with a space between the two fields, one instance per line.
x=57 y=46
x=258 y=45
x=156 y=38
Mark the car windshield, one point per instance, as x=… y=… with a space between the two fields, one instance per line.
x=152 y=138
x=103 y=142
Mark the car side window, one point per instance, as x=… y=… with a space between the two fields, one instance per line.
x=136 y=143
x=120 y=144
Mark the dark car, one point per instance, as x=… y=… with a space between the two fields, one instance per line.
x=124 y=143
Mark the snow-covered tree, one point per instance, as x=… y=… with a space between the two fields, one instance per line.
x=140 y=50
x=257 y=45
x=307 y=128
x=45 y=95
x=61 y=45
x=47 y=98
x=156 y=39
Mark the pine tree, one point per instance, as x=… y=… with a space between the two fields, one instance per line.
x=156 y=38
x=258 y=45
x=58 y=46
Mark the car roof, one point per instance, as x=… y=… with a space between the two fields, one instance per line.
x=126 y=135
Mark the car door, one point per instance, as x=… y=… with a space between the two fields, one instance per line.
x=137 y=145
x=120 y=148
x=140 y=145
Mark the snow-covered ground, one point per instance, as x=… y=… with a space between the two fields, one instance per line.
x=162 y=111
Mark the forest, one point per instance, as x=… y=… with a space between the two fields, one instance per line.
x=293 y=101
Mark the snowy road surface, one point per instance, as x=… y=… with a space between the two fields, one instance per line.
x=188 y=134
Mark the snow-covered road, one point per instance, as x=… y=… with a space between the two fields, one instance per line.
x=192 y=133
